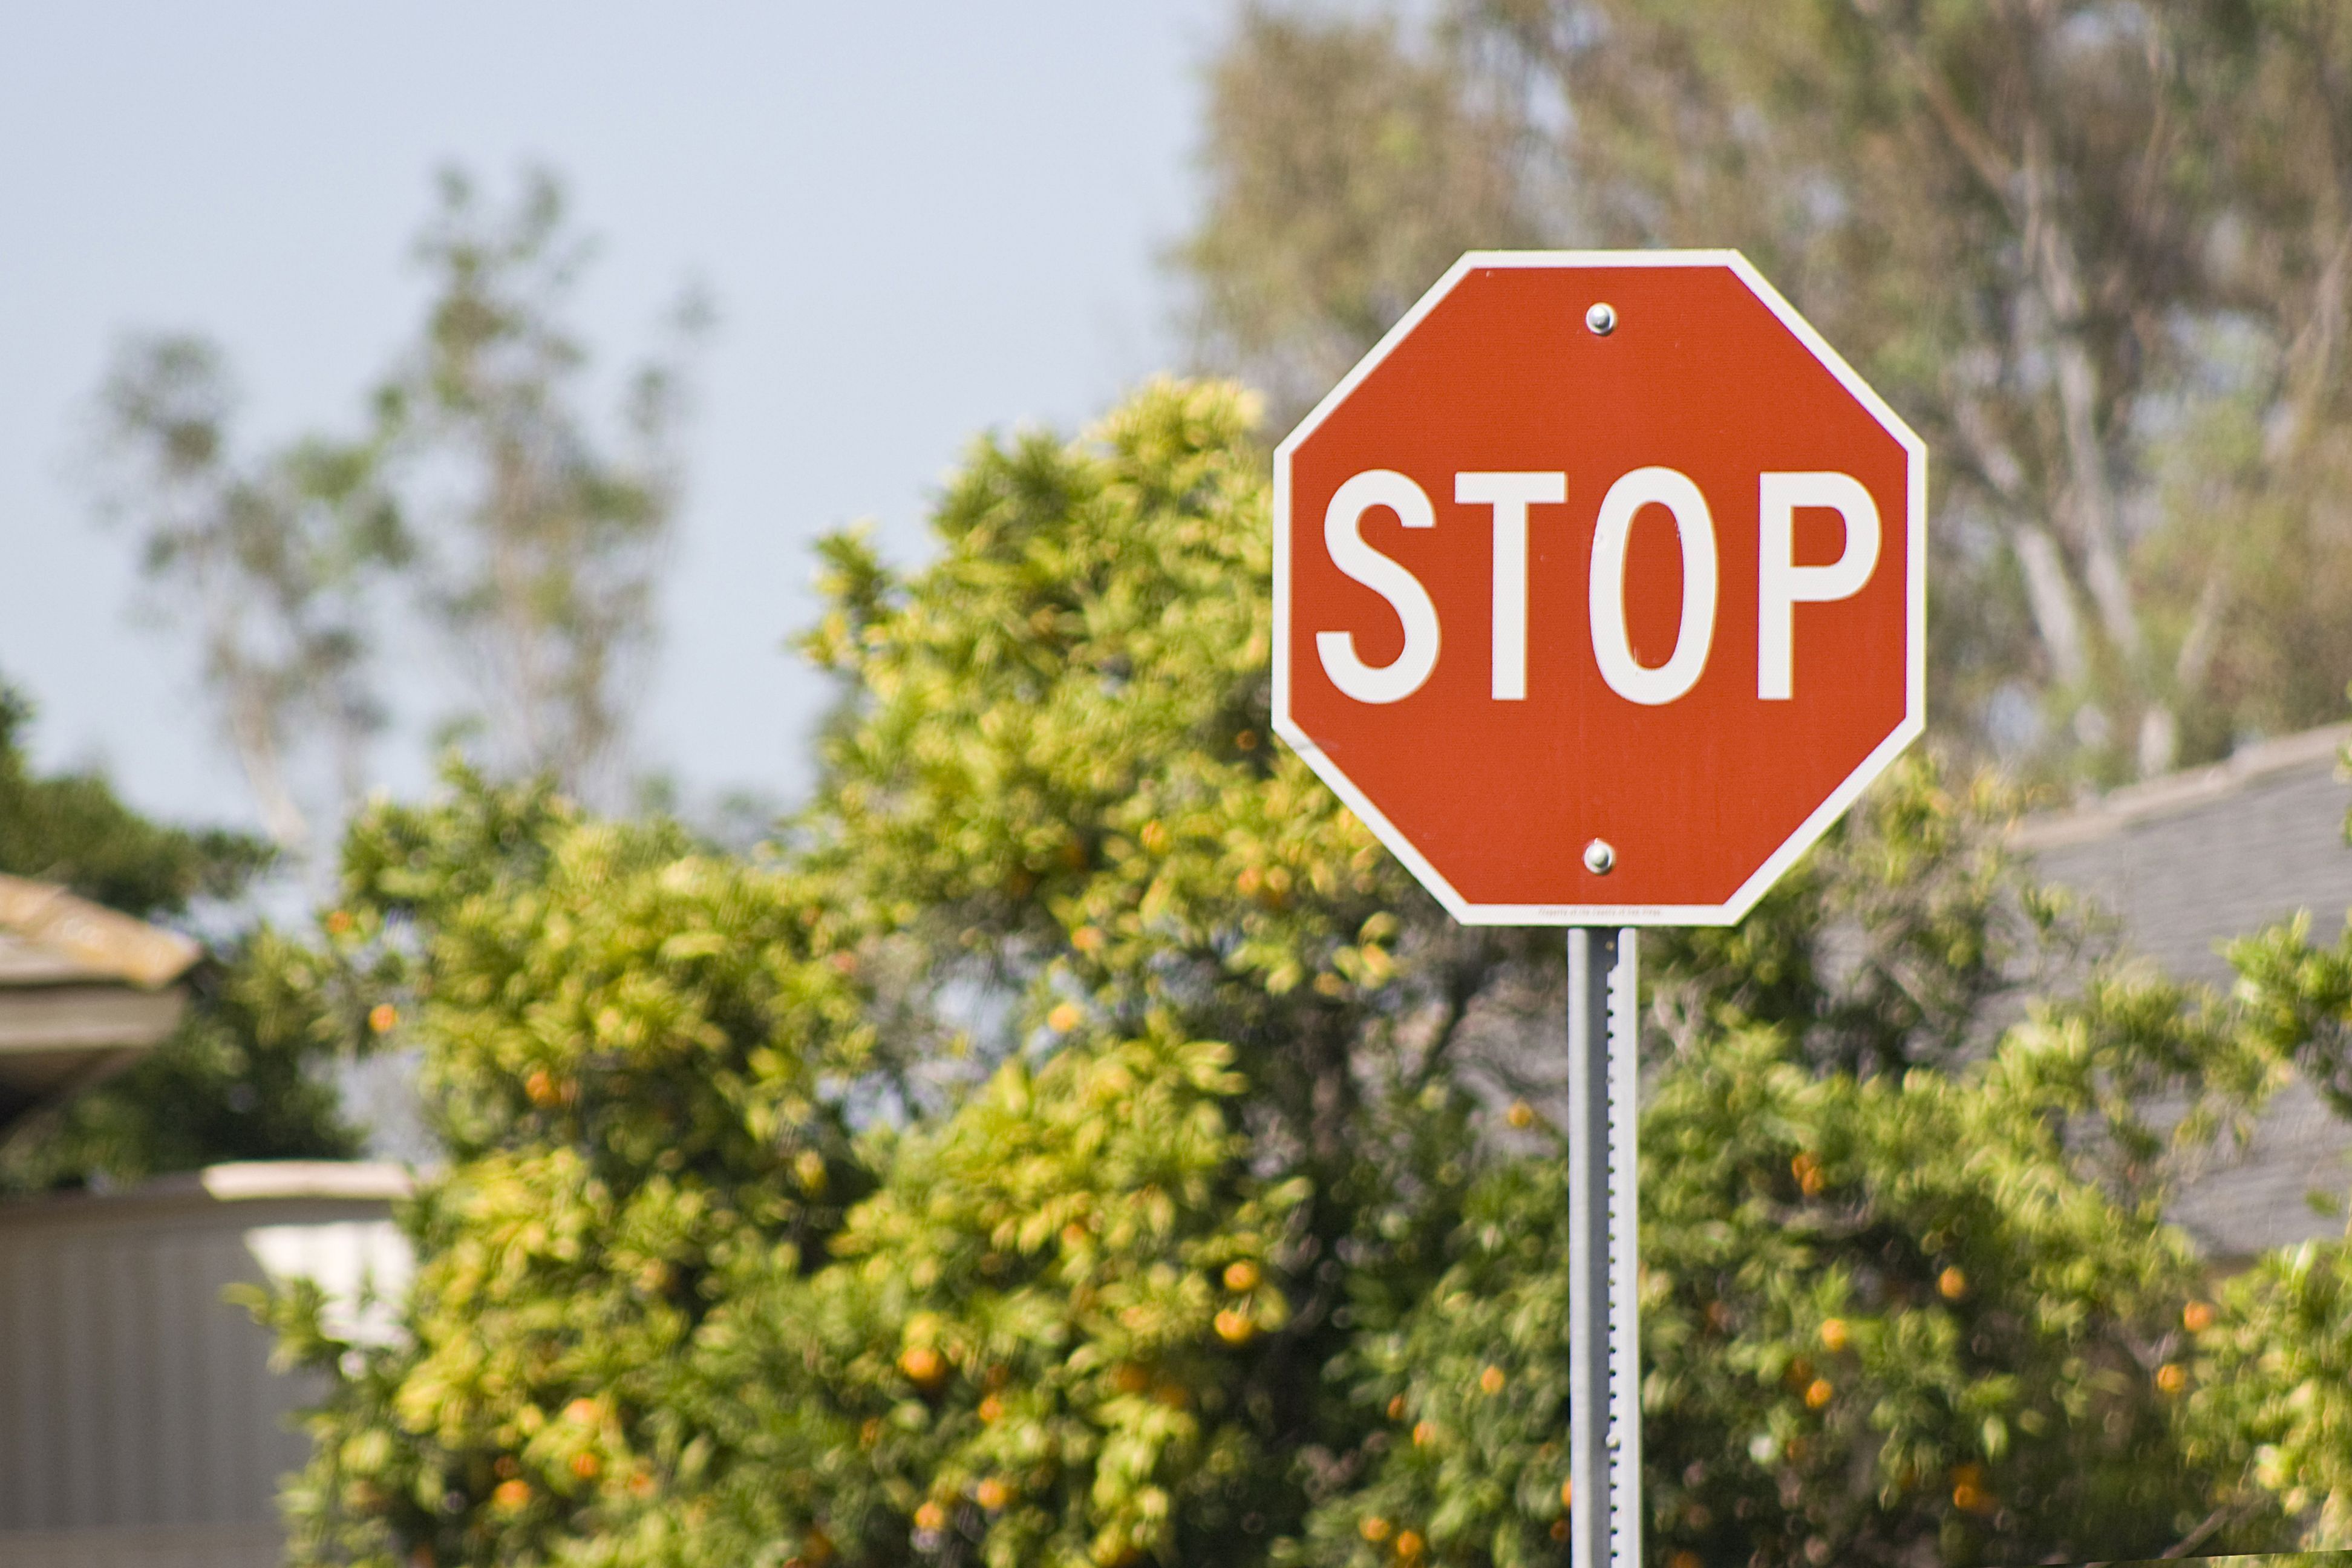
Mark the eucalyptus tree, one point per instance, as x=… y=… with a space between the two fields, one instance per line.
x=473 y=510
x=2092 y=248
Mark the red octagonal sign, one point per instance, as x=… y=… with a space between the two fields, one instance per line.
x=1600 y=588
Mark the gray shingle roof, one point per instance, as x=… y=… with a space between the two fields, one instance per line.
x=2188 y=862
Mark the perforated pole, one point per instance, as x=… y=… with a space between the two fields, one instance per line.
x=1604 y=1406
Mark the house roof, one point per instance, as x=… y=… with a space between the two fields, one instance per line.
x=84 y=991
x=48 y=936
x=2191 y=861
x=2187 y=863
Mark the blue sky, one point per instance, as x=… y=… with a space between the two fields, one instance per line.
x=917 y=220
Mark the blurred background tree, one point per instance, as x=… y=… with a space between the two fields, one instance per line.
x=2095 y=251
x=272 y=567
x=544 y=535
x=244 y=1076
x=480 y=525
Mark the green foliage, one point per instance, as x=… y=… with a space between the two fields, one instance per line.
x=1936 y=922
x=630 y=1048
x=1402 y=164
x=2275 y=1352
x=73 y=830
x=239 y=1078
x=1036 y=1342
x=1076 y=1142
x=1856 y=1343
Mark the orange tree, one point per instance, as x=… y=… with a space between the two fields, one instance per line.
x=1074 y=1141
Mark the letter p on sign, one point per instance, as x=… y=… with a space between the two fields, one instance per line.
x=1656 y=580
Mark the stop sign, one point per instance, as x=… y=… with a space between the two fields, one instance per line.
x=1600 y=588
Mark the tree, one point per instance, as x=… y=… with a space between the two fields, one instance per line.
x=1856 y=1346
x=478 y=502
x=1077 y=1142
x=544 y=553
x=275 y=563
x=2273 y=1353
x=240 y=1076
x=73 y=829
x=2078 y=245
x=1344 y=173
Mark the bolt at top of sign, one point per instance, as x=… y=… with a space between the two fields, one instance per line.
x=1600 y=588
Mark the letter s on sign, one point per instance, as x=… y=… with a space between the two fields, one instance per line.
x=1343 y=536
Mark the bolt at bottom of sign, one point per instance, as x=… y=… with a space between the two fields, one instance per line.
x=1600 y=857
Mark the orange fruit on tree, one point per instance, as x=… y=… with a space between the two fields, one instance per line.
x=1807 y=1168
x=925 y=1367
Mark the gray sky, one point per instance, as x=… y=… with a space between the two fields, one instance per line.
x=917 y=220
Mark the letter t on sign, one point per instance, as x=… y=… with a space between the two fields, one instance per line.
x=1511 y=494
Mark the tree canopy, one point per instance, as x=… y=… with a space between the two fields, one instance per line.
x=2094 y=251
x=1075 y=1141
x=474 y=509
x=241 y=1078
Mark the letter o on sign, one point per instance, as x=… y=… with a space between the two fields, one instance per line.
x=1612 y=649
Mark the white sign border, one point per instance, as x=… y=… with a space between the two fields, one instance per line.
x=1809 y=832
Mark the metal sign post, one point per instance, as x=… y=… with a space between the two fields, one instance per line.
x=1604 y=1376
